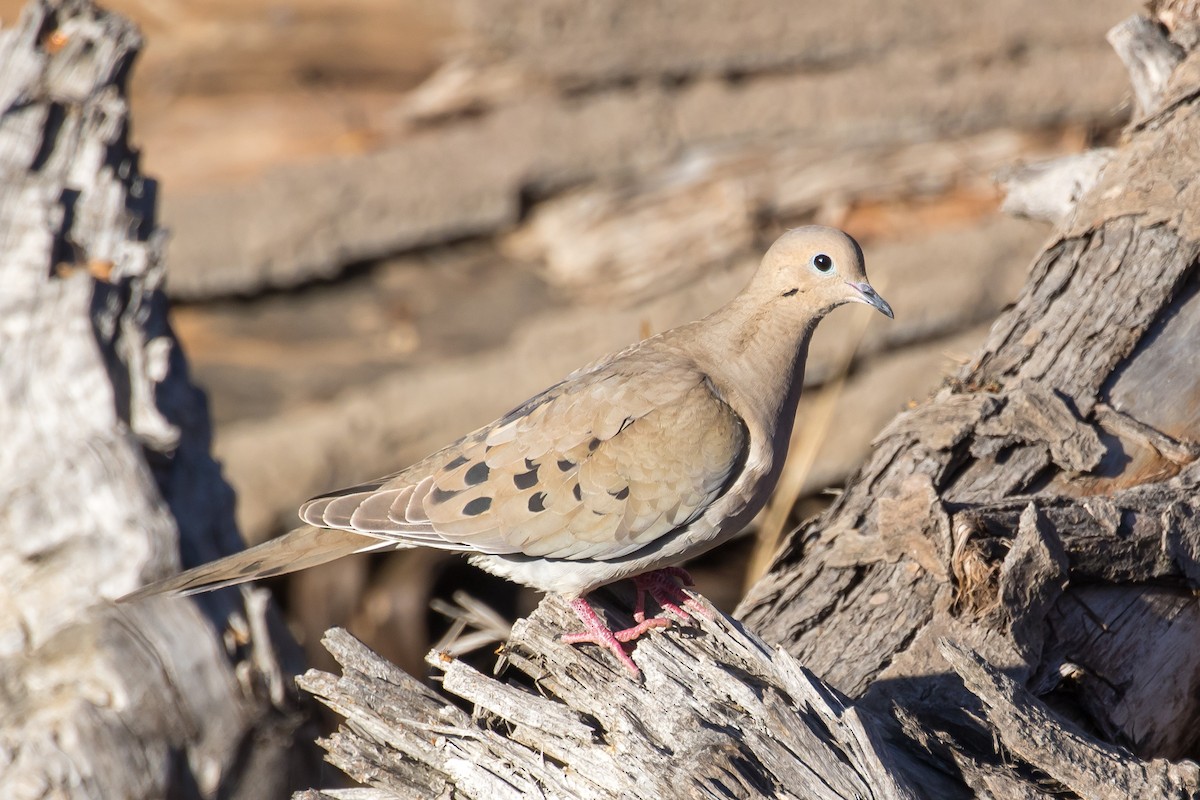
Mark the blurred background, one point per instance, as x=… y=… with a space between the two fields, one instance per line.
x=392 y=221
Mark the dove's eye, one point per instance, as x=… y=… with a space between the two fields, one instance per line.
x=822 y=262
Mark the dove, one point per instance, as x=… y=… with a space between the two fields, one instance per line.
x=624 y=469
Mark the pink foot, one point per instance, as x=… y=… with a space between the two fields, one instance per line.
x=664 y=586
x=600 y=634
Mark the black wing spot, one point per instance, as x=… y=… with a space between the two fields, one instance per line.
x=526 y=480
x=477 y=474
x=789 y=292
x=477 y=506
x=564 y=465
x=593 y=444
x=457 y=462
x=441 y=495
x=625 y=423
x=621 y=495
x=530 y=464
x=537 y=502
x=577 y=492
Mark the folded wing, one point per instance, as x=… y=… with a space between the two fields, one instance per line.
x=596 y=467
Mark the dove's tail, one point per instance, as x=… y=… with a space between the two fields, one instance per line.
x=299 y=549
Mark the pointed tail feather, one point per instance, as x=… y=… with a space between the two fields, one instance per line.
x=299 y=549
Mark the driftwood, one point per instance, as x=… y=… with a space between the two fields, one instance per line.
x=106 y=471
x=999 y=605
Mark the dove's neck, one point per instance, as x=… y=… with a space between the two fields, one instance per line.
x=761 y=351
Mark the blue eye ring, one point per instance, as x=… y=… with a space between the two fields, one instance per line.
x=822 y=262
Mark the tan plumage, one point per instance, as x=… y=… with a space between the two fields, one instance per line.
x=572 y=474
x=643 y=459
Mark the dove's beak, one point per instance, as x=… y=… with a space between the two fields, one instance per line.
x=867 y=294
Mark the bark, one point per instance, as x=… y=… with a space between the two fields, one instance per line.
x=1040 y=508
x=105 y=469
x=1001 y=603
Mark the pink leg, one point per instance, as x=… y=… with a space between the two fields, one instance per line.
x=664 y=586
x=598 y=633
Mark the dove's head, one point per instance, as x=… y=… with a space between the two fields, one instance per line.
x=819 y=267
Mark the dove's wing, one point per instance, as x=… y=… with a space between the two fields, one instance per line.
x=596 y=467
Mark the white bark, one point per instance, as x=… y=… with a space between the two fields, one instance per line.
x=105 y=464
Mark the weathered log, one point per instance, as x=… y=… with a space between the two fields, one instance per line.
x=105 y=469
x=999 y=605
x=744 y=721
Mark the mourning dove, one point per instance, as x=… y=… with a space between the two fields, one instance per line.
x=624 y=469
